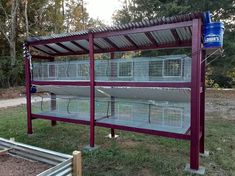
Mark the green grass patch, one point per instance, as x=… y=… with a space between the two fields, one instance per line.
x=131 y=154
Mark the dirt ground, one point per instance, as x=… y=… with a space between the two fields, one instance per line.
x=13 y=166
x=220 y=103
x=13 y=92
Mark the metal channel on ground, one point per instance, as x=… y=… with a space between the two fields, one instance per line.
x=62 y=163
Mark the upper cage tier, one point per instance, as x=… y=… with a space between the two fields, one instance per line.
x=174 y=68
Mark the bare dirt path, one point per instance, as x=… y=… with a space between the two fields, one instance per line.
x=12 y=102
x=16 y=102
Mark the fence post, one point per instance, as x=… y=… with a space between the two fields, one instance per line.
x=77 y=163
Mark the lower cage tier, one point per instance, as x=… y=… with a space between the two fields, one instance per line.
x=145 y=114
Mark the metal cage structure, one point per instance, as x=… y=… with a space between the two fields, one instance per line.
x=168 y=100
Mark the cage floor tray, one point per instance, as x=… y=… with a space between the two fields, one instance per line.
x=83 y=116
x=146 y=125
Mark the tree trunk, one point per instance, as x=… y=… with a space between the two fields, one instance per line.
x=26 y=18
x=13 y=52
x=14 y=10
x=11 y=34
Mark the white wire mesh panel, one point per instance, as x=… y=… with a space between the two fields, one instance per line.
x=155 y=115
x=70 y=107
x=165 y=69
x=61 y=70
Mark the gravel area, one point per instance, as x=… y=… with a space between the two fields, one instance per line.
x=14 y=166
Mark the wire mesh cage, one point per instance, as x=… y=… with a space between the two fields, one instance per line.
x=147 y=114
x=165 y=68
x=68 y=107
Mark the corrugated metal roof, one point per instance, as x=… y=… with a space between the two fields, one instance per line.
x=77 y=42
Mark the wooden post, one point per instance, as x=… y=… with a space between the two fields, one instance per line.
x=77 y=163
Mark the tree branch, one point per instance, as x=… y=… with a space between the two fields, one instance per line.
x=5 y=34
x=4 y=10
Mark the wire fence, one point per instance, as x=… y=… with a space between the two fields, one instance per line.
x=175 y=68
x=142 y=113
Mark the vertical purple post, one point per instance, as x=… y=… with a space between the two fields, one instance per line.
x=92 y=90
x=195 y=94
x=112 y=98
x=28 y=93
x=202 y=108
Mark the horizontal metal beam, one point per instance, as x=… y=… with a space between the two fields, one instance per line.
x=46 y=117
x=128 y=84
x=57 y=40
x=146 y=84
x=43 y=153
x=143 y=30
x=185 y=44
x=60 y=83
x=42 y=57
x=145 y=131
x=112 y=33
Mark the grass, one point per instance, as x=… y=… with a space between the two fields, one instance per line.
x=131 y=154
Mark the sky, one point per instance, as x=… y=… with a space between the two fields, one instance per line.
x=103 y=9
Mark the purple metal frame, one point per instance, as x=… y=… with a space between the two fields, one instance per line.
x=42 y=57
x=53 y=98
x=46 y=117
x=195 y=94
x=92 y=90
x=144 y=84
x=185 y=44
x=197 y=128
x=112 y=99
x=145 y=131
x=144 y=30
x=202 y=107
x=62 y=83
